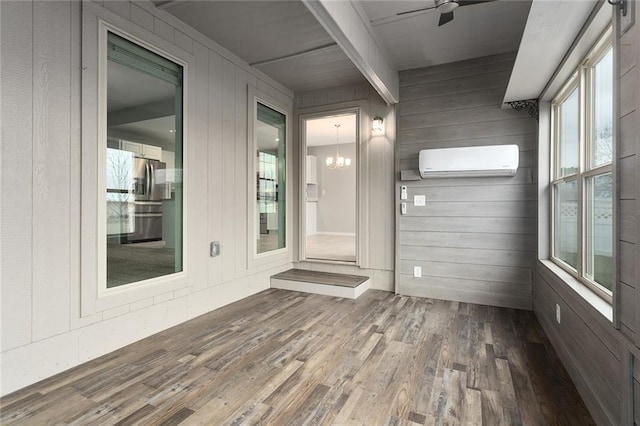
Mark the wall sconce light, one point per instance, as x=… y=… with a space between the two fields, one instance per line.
x=376 y=127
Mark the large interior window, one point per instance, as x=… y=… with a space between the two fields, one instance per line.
x=582 y=183
x=144 y=198
x=270 y=172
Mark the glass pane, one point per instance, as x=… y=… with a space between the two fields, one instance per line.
x=601 y=150
x=143 y=164
x=568 y=134
x=331 y=190
x=270 y=175
x=599 y=239
x=566 y=223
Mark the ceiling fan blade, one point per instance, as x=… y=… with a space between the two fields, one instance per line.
x=444 y=18
x=415 y=10
x=470 y=2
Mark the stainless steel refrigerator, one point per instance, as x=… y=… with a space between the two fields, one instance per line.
x=136 y=187
x=150 y=189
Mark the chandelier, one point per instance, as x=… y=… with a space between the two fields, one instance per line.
x=338 y=162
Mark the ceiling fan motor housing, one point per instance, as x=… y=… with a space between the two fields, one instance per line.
x=446 y=6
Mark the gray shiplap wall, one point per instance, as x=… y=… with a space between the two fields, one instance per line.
x=629 y=212
x=475 y=239
x=590 y=348
x=628 y=185
x=602 y=360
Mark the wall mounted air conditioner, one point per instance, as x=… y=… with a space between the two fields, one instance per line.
x=494 y=160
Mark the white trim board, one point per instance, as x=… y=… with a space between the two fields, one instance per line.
x=550 y=30
x=345 y=25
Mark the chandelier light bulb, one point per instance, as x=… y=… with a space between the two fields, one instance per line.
x=339 y=162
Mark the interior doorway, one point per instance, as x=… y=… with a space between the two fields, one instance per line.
x=330 y=190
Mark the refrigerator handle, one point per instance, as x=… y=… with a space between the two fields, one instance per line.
x=152 y=178
x=148 y=178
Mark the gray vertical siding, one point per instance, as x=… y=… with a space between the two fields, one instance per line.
x=629 y=210
x=41 y=182
x=628 y=187
x=475 y=239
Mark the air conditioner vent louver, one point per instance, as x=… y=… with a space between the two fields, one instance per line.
x=493 y=160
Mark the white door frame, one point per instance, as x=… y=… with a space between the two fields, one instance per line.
x=302 y=161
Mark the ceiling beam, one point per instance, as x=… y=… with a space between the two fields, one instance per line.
x=294 y=55
x=165 y=4
x=345 y=25
x=163 y=108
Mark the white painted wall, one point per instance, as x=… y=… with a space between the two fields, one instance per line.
x=42 y=330
x=336 y=191
x=312 y=217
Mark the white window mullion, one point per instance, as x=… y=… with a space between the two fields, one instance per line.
x=581 y=172
x=582 y=152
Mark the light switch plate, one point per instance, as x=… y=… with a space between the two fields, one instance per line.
x=419 y=200
x=403 y=192
x=403 y=208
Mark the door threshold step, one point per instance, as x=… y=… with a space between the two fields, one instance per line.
x=325 y=283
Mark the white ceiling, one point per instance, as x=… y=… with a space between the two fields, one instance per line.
x=254 y=30
x=129 y=88
x=159 y=129
x=283 y=39
x=280 y=38
x=322 y=131
x=415 y=40
x=140 y=105
x=266 y=136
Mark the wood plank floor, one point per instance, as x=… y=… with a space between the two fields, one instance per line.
x=287 y=358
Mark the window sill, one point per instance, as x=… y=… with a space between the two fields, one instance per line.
x=600 y=305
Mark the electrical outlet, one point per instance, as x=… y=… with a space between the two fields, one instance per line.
x=558 y=313
x=419 y=200
x=417 y=271
x=214 y=249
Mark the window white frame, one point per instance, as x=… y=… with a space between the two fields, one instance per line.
x=582 y=79
x=255 y=259
x=95 y=296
